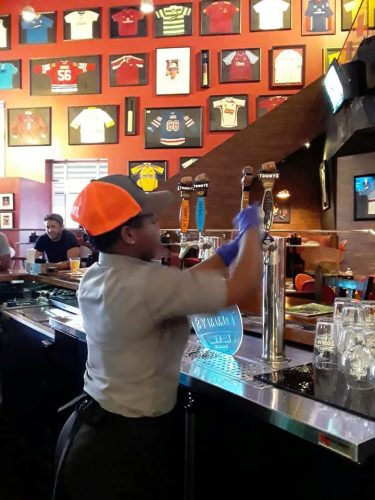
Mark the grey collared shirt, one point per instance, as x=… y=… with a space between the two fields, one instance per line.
x=134 y=314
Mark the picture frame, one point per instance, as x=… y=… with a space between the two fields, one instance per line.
x=287 y=66
x=216 y=19
x=205 y=69
x=187 y=161
x=324 y=186
x=172 y=128
x=127 y=21
x=29 y=126
x=6 y=201
x=260 y=19
x=65 y=75
x=93 y=124
x=282 y=213
x=266 y=103
x=5 y=31
x=131 y=115
x=10 y=74
x=239 y=65
x=364 y=196
x=148 y=173
x=228 y=112
x=6 y=220
x=330 y=53
x=41 y=30
x=173 y=20
x=82 y=24
x=318 y=17
x=128 y=69
x=173 y=71
x=348 y=14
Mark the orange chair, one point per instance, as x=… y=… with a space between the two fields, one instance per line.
x=300 y=279
x=308 y=286
x=342 y=245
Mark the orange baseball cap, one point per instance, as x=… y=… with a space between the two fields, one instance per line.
x=110 y=201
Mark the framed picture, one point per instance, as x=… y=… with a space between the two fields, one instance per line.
x=148 y=173
x=6 y=220
x=371 y=14
x=220 y=18
x=318 y=17
x=29 y=127
x=228 y=112
x=65 y=76
x=173 y=20
x=329 y=54
x=349 y=11
x=93 y=125
x=42 y=29
x=6 y=201
x=188 y=161
x=287 y=66
x=5 y=31
x=131 y=115
x=281 y=213
x=127 y=21
x=364 y=197
x=173 y=71
x=10 y=74
x=128 y=69
x=240 y=65
x=266 y=103
x=324 y=188
x=205 y=68
x=82 y=24
x=173 y=128
x=266 y=15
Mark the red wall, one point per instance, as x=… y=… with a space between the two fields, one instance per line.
x=30 y=161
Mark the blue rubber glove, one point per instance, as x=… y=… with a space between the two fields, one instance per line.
x=229 y=251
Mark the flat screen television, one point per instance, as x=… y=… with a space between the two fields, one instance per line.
x=335 y=86
x=364 y=197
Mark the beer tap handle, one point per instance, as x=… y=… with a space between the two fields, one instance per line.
x=246 y=181
x=185 y=188
x=268 y=174
x=201 y=183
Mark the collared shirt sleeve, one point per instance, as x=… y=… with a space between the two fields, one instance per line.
x=172 y=293
x=4 y=245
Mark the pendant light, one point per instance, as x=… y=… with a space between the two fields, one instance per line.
x=28 y=13
x=147 y=6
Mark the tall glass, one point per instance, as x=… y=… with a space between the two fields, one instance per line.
x=356 y=362
x=74 y=264
x=325 y=352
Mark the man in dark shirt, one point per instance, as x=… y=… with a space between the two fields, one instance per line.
x=58 y=244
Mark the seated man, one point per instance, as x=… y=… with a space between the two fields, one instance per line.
x=4 y=253
x=58 y=243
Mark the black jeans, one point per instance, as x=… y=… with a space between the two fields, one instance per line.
x=111 y=457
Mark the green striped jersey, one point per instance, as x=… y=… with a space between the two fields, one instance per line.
x=173 y=17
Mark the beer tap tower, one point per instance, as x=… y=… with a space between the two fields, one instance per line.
x=273 y=307
x=200 y=184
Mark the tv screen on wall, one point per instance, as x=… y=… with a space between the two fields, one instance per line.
x=364 y=197
x=334 y=86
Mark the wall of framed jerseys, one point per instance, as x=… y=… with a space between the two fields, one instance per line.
x=153 y=93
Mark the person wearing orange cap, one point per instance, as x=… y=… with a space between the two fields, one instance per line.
x=122 y=442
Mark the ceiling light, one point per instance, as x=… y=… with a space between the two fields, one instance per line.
x=28 y=13
x=147 y=6
x=307 y=145
x=283 y=195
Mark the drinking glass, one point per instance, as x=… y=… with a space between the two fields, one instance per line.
x=325 y=352
x=357 y=363
x=368 y=307
x=74 y=264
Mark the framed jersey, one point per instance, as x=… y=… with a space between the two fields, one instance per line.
x=65 y=76
x=173 y=20
x=268 y=15
x=5 y=27
x=240 y=65
x=148 y=173
x=82 y=24
x=127 y=21
x=40 y=30
x=29 y=127
x=266 y=103
x=10 y=74
x=318 y=17
x=173 y=127
x=173 y=71
x=220 y=17
x=93 y=125
x=228 y=112
x=349 y=11
x=287 y=66
x=128 y=69
x=329 y=54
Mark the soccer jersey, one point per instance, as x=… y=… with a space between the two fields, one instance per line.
x=319 y=12
x=37 y=29
x=64 y=74
x=221 y=16
x=81 y=24
x=7 y=71
x=288 y=67
x=271 y=103
x=173 y=126
x=147 y=175
x=127 y=21
x=127 y=69
x=29 y=127
x=92 y=123
x=352 y=7
x=229 y=107
x=173 y=17
x=240 y=62
x=271 y=13
x=3 y=35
